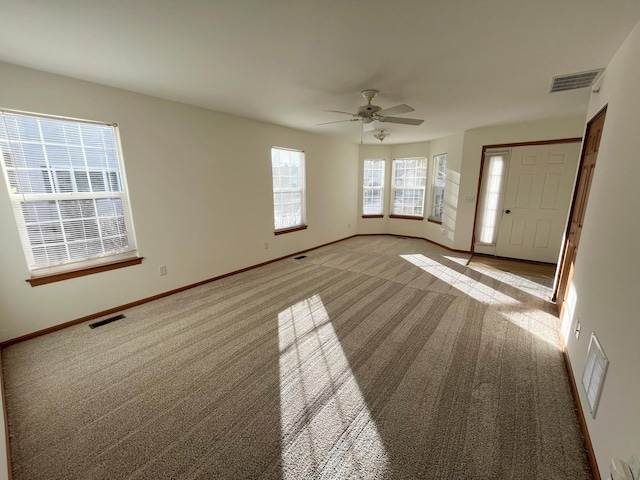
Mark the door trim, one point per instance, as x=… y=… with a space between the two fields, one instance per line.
x=509 y=145
x=563 y=250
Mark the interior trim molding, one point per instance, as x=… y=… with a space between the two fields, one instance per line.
x=411 y=236
x=135 y=303
x=537 y=142
x=282 y=231
x=406 y=217
x=109 y=311
x=583 y=423
x=81 y=272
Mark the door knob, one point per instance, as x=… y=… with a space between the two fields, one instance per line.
x=507 y=211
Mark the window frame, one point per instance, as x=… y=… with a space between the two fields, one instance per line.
x=437 y=160
x=395 y=188
x=93 y=261
x=301 y=225
x=367 y=188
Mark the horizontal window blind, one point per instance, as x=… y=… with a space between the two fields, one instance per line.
x=373 y=187
x=439 y=182
x=288 y=187
x=67 y=188
x=409 y=180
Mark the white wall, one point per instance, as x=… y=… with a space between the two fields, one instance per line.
x=475 y=139
x=607 y=269
x=200 y=187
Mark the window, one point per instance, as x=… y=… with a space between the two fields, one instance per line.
x=288 y=188
x=68 y=192
x=409 y=179
x=373 y=187
x=494 y=168
x=439 y=178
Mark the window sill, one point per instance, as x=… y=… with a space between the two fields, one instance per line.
x=58 y=277
x=372 y=216
x=407 y=217
x=282 y=231
x=434 y=220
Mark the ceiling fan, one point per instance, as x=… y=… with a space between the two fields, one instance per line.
x=369 y=113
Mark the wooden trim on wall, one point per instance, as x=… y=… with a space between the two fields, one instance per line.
x=406 y=217
x=372 y=216
x=7 y=438
x=109 y=311
x=563 y=247
x=58 y=277
x=126 y=306
x=583 y=423
x=534 y=143
x=411 y=236
x=282 y=231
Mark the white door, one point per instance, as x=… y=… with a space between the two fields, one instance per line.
x=536 y=201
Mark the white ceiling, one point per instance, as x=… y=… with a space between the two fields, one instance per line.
x=460 y=63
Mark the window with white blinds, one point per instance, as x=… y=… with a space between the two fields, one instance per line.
x=439 y=181
x=68 y=191
x=287 y=167
x=494 y=169
x=373 y=187
x=409 y=180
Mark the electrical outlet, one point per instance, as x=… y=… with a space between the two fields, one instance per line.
x=444 y=231
x=266 y=245
x=163 y=270
x=578 y=328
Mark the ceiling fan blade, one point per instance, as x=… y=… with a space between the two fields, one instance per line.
x=368 y=127
x=398 y=109
x=338 y=111
x=340 y=121
x=405 y=121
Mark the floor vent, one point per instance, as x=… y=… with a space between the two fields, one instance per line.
x=300 y=257
x=105 y=321
x=573 y=81
x=401 y=238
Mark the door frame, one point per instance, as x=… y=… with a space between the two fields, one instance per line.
x=563 y=250
x=510 y=145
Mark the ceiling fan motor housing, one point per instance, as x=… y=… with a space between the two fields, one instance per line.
x=367 y=111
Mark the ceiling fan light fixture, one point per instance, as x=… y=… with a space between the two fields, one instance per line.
x=381 y=135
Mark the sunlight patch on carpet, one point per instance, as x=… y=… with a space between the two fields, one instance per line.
x=327 y=429
x=476 y=290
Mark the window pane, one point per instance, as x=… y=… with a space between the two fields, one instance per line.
x=439 y=182
x=373 y=187
x=287 y=167
x=492 y=199
x=409 y=180
x=66 y=163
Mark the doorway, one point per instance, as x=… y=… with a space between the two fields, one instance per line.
x=524 y=197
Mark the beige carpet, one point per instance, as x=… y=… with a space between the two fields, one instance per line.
x=373 y=358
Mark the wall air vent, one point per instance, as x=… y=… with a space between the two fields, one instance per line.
x=594 y=372
x=574 y=80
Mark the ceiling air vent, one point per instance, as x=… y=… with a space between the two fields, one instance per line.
x=574 y=80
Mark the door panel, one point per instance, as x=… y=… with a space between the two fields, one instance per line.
x=578 y=209
x=536 y=201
